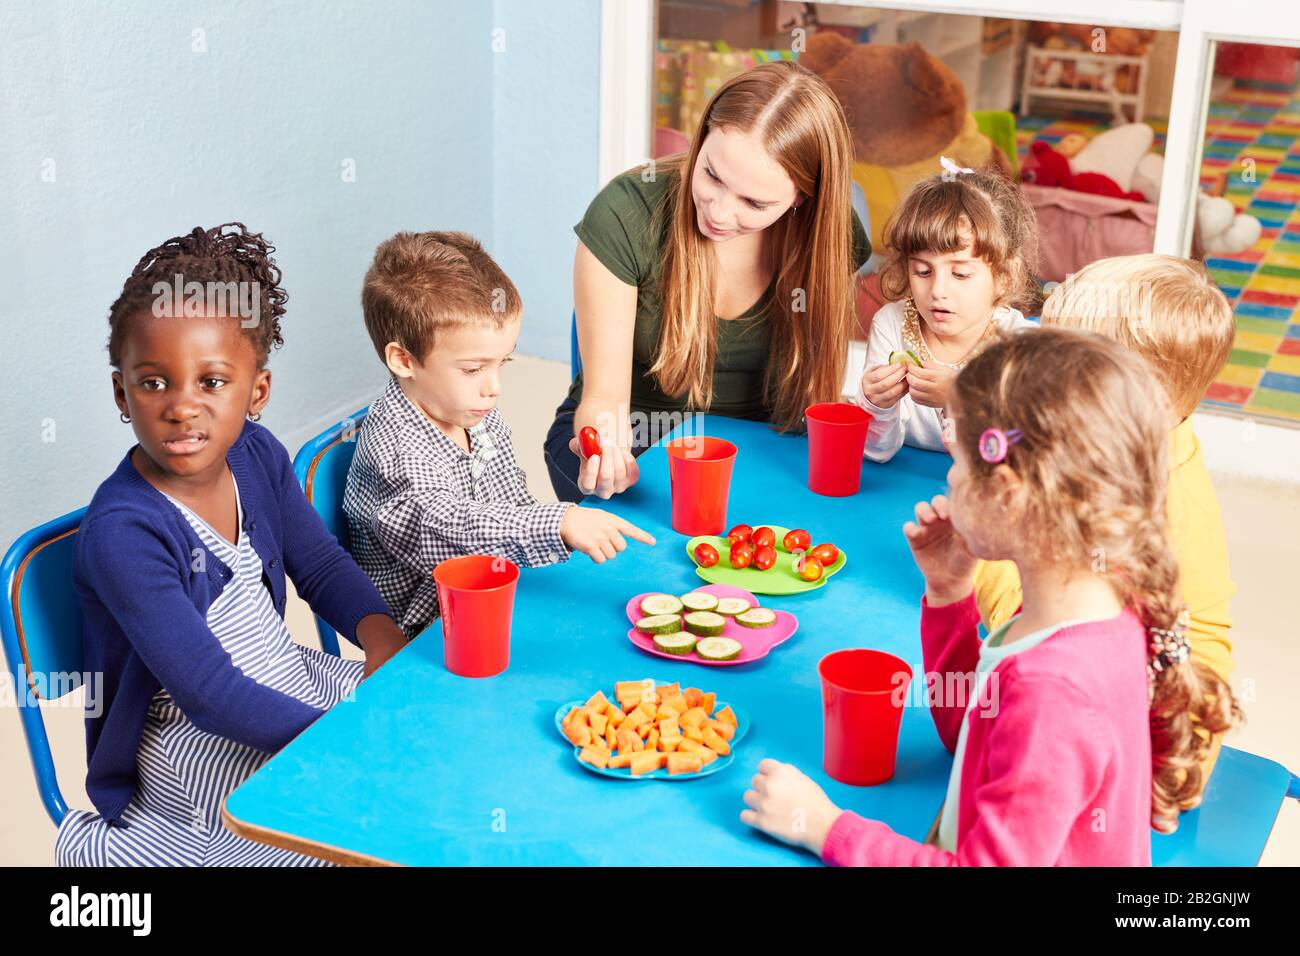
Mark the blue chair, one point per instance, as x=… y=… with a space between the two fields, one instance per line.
x=322 y=469
x=575 y=357
x=41 y=627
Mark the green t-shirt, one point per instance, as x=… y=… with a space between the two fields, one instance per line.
x=621 y=231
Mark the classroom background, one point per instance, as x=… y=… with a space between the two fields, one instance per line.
x=329 y=128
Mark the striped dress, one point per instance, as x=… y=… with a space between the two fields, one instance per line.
x=184 y=773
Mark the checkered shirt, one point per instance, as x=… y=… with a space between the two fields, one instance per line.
x=415 y=498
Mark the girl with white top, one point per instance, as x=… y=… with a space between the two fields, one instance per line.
x=961 y=257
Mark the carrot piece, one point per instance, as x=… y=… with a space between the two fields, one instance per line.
x=684 y=763
x=723 y=730
x=716 y=743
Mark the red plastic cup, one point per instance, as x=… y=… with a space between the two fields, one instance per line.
x=476 y=596
x=863 y=693
x=699 y=472
x=837 y=436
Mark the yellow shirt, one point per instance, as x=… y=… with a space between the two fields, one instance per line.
x=1196 y=534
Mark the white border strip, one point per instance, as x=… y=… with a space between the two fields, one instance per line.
x=627 y=42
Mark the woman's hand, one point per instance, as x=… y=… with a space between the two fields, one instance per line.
x=929 y=384
x=606 y=475
x=940 y=553
x=787 y=804
x=381 y=638
x=884 y=385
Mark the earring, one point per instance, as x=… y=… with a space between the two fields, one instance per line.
x=125 y=418
x=255 y=418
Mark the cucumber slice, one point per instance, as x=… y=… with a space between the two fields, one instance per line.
x=718 y=649
x=757 y=617
x=699 y=601
x=904 y=358
x=678 y=644
x=655 y=604
x=660 y=624
x=705 y=623
x=732 y=606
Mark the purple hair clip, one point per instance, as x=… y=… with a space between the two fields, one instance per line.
x=995 y=442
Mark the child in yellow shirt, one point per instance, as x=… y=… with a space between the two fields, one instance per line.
x=1169 y=311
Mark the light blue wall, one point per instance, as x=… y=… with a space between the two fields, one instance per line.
x=147 y=137
x=545 y=156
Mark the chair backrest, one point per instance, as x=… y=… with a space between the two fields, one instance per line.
x=41 y=629
x=322 y=469
x=575 y=357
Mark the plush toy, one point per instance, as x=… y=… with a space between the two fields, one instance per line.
x=1219 y=227
x=1118 y=162
x=905 y=108
x=1047 y=167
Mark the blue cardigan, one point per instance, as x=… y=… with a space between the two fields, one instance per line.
x=146 y=597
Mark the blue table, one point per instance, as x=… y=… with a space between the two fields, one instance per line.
x=426 y=768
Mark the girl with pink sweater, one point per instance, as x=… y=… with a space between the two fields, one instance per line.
x=1078 y=737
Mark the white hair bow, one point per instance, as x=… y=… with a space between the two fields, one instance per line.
x=950 y=167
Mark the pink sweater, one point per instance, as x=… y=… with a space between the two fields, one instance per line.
x=1059 y=775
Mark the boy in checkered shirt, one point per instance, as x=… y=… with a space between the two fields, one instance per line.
x=434 y=475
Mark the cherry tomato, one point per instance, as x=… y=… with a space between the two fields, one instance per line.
x=740 y=532
x=742 y=554
x=764 y=538
x=827 y=554
x=706 y=554
x=764 y=558
x=811 y=569
x=797 y=540
x=589 y=439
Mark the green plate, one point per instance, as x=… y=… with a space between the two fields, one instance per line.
x=780 y=579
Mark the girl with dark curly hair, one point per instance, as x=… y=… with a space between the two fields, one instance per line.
x=180 y=566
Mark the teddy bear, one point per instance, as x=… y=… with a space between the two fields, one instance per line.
x=905 y=109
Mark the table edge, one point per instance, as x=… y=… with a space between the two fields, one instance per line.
x=286 y=841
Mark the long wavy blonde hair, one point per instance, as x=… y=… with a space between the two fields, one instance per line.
x=1094 y=465
x=799 y=120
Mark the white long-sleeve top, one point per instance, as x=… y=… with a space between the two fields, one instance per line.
x=907 y=422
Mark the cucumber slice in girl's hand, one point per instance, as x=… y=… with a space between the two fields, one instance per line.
x=676 y=644
x=699 y=601
x=656 y=604
x=660 y=624
x=730 y=607
x=718 y=649
x=705 y=623
x=907 y=357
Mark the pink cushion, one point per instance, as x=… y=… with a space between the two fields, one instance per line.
x=1076 y=228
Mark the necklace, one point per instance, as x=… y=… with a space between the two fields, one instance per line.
x=914 y=340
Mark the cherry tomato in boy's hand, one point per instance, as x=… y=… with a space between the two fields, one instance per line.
x=797 y=540
x=740 y=532
x=706 y=555
x=742 y=555
x=764 y=558
x=589 y=438
x=764 y=538
x=811 y=569
x=827 y=554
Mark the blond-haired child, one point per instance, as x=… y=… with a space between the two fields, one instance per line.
x=1169 y=311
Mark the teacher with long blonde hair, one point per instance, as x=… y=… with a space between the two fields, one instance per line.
x=718 y=280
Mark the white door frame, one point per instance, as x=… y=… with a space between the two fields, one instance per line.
x=627 y=42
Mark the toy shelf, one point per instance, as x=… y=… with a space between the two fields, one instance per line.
x=1046 y=78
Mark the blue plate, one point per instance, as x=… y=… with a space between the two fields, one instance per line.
x=625 y=773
